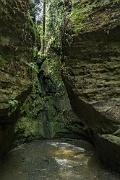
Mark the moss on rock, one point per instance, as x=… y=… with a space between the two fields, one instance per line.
x=17 y=41
x=91 y=53
x=89 y=16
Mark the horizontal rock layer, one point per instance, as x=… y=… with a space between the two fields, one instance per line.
x=17 y=38
x=91 y=71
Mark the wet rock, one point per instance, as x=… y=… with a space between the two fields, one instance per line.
x=47 y=112
x=54 y=159
x=17 y=38
x=91 y=73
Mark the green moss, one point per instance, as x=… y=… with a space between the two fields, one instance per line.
x=4 y=41
x=88 y=16
x=55 y=128
x=13 y=106
x=80 y=14
x=112 y=138
x=117 y=133
x=27 y=129
x=2 y=61
x=26 y=126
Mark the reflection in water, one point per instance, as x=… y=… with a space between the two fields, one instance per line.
x=54 y=160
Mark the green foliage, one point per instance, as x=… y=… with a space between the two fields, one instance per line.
x=35 y=50
x=2 y=61
x=13 y=106
x=5 y=41
x=55 y=18
x=84 y=14
x=33 y=66
x=41 y=56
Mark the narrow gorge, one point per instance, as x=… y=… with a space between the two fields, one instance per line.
x=59 y=104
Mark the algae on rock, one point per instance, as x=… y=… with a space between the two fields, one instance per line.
x=91 y=59
x=17 y=41
x=47 y=112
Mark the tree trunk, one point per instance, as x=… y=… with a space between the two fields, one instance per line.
x=44 y=14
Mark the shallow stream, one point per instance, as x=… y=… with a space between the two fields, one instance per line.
x=54 y=160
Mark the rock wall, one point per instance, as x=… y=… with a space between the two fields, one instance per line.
x=91 y=72
x=17 y=39
x=47 y=112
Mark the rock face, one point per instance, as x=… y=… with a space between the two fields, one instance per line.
x=32 y=105
x=47 y=112
x=91 y=72
x=17 y=38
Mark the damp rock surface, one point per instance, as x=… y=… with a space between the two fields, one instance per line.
x=91 y=63
x=18 y=37
x=54 y=160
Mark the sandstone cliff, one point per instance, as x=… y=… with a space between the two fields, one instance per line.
x=34 y=102
x=91 y=72
x=17 y=38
